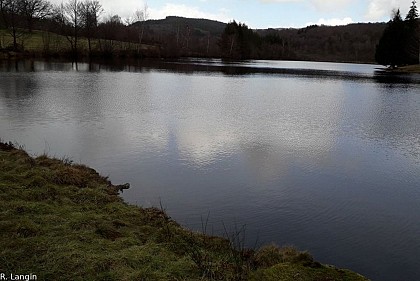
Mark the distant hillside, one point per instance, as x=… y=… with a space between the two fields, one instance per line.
x=172 y=24
x=184 y=36
x=353 y=42
x=175 y=37
x=201 y=37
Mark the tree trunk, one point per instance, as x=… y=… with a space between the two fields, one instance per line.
x=75 y=43
x=14 y=40
x=141 y=34
x=208 y=44
x=90 y=47
x=231 y=47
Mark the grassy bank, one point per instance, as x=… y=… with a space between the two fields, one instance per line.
x=409 y=69
x=47 y=44
x=62 y=221
x=405 y=69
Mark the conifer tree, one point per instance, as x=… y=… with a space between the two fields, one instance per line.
x=412 y=14
x=238 y=41
x=413 y=43
x=390 y=50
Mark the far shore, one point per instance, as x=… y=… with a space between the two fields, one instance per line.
x=405 y=69
x=410 y=68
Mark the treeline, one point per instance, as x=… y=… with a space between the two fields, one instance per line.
x=350 y=43
x=81 y=23
x=180 y=36
x=80 y=28
x=400 y=42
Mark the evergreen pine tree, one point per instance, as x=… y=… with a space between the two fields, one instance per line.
x=412 y=14
x=390 y=50
x=238 y=41
x=412 y=49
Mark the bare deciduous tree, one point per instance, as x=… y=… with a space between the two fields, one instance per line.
x=12 y=16
x=141 y=16
x=111 y=31
x=90 y=13
x=69 y=16
x=35 y=10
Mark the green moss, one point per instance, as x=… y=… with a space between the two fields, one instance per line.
x=51 y=44
x=405 y=69
x=410 y=68
x=63 y=221
x=298 y=272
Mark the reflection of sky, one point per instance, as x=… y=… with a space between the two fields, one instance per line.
x=251 y=112
x=348 y=67
x=384 y=113
x=207 y=118
x=295 y=155
x=210 y=117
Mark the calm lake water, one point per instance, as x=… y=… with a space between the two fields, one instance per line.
x=322 y=156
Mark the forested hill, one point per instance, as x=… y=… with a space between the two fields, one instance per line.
x=351 y=43
x=184 y=36
x=172 y=23
x=202 y=37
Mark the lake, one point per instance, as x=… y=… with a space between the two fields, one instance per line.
x=322 y=156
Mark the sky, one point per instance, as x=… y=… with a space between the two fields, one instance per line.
x=264 y=13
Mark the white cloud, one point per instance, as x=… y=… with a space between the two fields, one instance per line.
x=188 y=11
x=111 y=7
x=376 y=10
x=333 y=21
x=127 y=8
x=123 y=10
x=330 y=5
x=279 y=1
x=321 y=5
x=381 y=10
